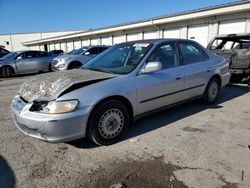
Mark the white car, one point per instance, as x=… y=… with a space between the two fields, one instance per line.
x=76 y=58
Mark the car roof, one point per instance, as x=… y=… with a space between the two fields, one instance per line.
x=236 y=35
x=158 y=41
x=21 y=51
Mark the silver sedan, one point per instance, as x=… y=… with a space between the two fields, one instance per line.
x=125 y=82
x=23 y=62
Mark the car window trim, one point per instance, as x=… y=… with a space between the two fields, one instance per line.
x=205 y=56
x=166 y=43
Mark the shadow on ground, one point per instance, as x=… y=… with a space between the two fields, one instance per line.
x=7 y=176
x=168 y=116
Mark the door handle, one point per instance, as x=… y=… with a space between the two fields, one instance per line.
x=178 y=77
x=209 y=69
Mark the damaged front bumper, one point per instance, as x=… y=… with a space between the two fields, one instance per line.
x=50 y=127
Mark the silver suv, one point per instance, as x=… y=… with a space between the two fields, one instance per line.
x=76 y=58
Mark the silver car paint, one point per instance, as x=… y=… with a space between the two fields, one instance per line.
x=67 y=59
x=138 y=89
x=28 y=65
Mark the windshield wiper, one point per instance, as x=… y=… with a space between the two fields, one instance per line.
x=99 y=69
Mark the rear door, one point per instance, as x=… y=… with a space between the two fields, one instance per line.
x=196 y=68
x=42 y=61
x=165 y=87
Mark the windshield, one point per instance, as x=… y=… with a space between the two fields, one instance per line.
x=119 y=59
x=11 y=55
x=77 y=51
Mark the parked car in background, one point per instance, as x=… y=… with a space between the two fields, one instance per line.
x=3 y=52
x=55 y=53
x=123 y=83
x=76 y=58
x=236 y=49
x=22 y=62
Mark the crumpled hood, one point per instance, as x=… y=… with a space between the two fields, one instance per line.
x=50 y=86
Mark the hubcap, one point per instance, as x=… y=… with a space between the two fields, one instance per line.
x=111 y=123
x=8 y=72
x=213 y=91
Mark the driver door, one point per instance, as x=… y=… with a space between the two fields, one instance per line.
x=164 y=87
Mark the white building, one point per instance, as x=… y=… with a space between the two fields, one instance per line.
x=200 y=25
x=14 y=42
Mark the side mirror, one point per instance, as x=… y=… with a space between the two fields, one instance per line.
x=86 y=53
x=19 y=57
x=152 y=67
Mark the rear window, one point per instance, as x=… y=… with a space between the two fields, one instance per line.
x=230 y=43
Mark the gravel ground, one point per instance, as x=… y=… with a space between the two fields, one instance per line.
x=190 y=145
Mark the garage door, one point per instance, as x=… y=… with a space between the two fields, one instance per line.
x=199 y=34
x=41 y=47
x=95 y=41
x=150 y=35
x=230 y=27
x=118 y=39
x=77 y=44
x=69 y=46
x=57 y=46
x=85 y=42
x=34 y=48
x=133 y=37
x=63 y=47
x=106 y=41
x=171 y=33
x=51 y=47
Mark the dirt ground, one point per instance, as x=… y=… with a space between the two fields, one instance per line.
x=190 y=145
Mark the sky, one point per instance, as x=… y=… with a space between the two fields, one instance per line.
x=20 y=16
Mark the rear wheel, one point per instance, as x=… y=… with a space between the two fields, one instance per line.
x=108 y=122
x=7 y=72
x=212 y=91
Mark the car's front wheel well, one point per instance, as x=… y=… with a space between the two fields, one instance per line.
x=119 y=98
x=6 y=66
x=74 y=64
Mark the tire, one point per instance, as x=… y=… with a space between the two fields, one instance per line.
x=50 y=67
x=74 y=65
x=108 y=122
x=212 y=91
x=7 y=72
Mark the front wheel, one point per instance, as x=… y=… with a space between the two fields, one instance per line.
x=212 y=91
x=7 y=72
x=108 y=122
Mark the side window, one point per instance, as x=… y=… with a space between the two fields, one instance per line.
x=166 y=54
x=30 y=54
x=41 y=54
x=191 y=53
x=93 y=51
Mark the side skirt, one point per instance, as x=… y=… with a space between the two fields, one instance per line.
x=165 y=107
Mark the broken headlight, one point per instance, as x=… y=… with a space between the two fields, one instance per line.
x=55 y=107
